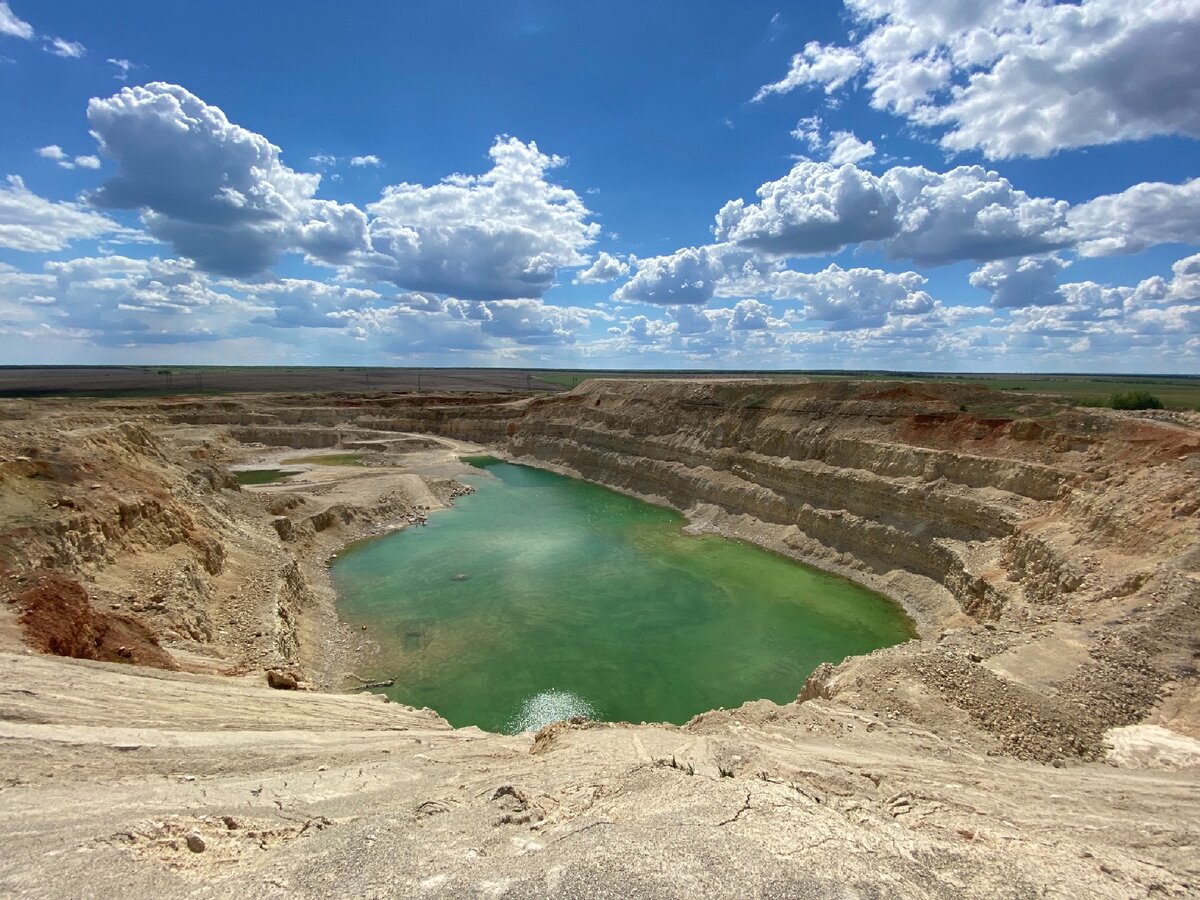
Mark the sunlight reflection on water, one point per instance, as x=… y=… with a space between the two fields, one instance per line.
x=547 y=707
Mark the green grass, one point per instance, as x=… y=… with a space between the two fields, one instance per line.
x=329 y=459
x=263 y=476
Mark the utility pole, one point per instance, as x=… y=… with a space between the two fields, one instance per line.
x=418 y=382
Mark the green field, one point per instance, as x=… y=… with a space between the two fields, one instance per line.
x=329 y=459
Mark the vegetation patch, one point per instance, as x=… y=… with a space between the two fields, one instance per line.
x=1134 y=400
x=329 y=459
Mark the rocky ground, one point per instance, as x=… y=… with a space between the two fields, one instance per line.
x=1040 y=740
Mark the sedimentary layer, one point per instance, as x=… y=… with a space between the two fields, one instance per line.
x=1049 y=556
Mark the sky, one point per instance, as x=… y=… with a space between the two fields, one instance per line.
x=913 y=185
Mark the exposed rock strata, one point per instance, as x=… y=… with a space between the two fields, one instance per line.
x=1049 y=556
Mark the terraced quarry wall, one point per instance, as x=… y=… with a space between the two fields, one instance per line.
x=1051 y=557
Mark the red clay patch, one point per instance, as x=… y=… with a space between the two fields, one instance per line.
x=59 y=618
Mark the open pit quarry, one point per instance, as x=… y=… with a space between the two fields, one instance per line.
x=1041 y=738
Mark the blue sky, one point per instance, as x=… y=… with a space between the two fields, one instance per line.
x=957 y=185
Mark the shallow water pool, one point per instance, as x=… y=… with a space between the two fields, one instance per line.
x=541 y=597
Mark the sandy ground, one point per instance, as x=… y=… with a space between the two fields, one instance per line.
x=981 y=761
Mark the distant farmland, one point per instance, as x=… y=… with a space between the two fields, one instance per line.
x=1175 y=391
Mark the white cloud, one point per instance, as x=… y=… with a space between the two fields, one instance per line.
x=499 y=235
x=752 y=315
x=52 y=151
x=116 y=301
x=831 y=67
x=970 y=213
x=606 y=268
x=426 y=324
x=368 y=160
x=33 y=223
x=1021 y=78
x=815 y=208
x=1142 y=216
x=845 y=147
x=56 y=153
x=217 y=192
x=687 y=276
x=1021 y=283
x=223 y=197
x=67 y=49
x=12 y=26
x=842 y=147
x=808 y=130
x=304 y=303
x=324 y=159
x=846 y=299
x=930 y=217
x=123 y=66
x=532 y=322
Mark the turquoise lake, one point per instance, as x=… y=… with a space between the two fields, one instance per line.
x=540 y=597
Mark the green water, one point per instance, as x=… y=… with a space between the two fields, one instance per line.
x=581 y=601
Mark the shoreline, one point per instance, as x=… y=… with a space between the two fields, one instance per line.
x=361 y=661
x=701 y=519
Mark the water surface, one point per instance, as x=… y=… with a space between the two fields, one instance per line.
x=540 y=597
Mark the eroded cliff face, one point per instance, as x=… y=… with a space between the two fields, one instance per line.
x=1047 y=554
x=1051 y=557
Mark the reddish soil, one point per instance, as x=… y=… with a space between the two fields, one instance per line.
x=58 y=618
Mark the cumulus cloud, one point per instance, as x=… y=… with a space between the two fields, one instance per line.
x=930 y=217
x=531 y=322
x=13 y=26
x=370 y=160
x=842 y=147
x=33 y=223
x=845 y=147
x=846 y=299
x=815 y=208
x=752 y=315
x=116 y=301
x=828 y=66
x=54 y=152
x=500 y=235
x=606 y=268
x=305 y=303
x=970 y=213
x=1021 y=283
x=687 y=276
x=421 y=323
x=1021 y=78
x=64 y=48
x=1142 y=216
x=121 y=302
x=57 y=154
x=222 y=196
x=217 y=192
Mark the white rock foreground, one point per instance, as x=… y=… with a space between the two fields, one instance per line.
x=196 y=786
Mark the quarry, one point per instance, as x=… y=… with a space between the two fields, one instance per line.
x=181 y=703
